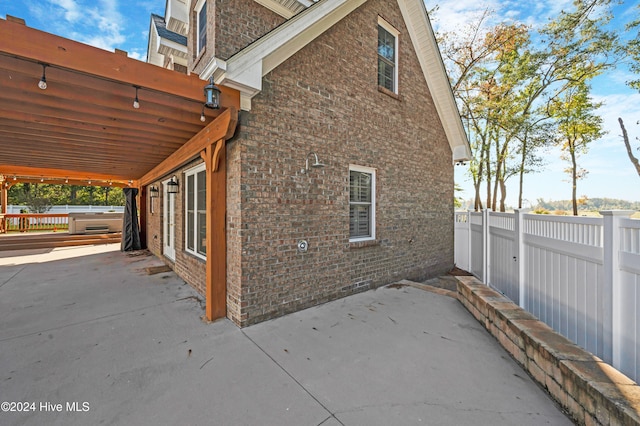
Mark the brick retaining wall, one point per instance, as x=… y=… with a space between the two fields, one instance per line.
x=590 y=390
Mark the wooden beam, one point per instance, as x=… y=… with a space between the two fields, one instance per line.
x=216 y=285
x=219 y=128
x=18 y=40
x=37 y=172
x=60 y=181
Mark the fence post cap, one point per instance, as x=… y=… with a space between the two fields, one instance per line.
x=616 y=212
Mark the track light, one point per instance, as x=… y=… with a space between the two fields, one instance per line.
x=136 y=103
x=43 y=81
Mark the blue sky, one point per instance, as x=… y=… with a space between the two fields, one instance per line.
x=611 y=174
x=110 y=24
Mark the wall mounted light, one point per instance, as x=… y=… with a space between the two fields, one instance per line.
x=173 y=186
x=43 y=81
x=316 y=164
x=136 y=103
x=211 y=95
x=154 y=192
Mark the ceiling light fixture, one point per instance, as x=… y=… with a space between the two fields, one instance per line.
x=136 y=103
x=202 y=117
x=43 y=81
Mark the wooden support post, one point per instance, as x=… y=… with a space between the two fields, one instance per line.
x=4 y=198
x=216 y=291
x=142 y=209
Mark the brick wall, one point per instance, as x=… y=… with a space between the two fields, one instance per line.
x=239 y=23
x=190 y=268
x=325 y=99
x=231 y=26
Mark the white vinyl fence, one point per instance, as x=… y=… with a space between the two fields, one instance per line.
x=15 y=209
x=580 y=275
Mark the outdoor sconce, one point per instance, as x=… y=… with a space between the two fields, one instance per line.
x=211 y=96
x=172 y=185
x=43 y=81
x=316 y=164
x=153 y=192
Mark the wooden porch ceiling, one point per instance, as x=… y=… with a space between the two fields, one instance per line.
x=83 y=126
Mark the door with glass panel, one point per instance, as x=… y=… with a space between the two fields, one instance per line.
x=169 y=223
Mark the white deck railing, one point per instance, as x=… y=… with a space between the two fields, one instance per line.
x=579 y=275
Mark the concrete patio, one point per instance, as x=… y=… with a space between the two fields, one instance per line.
x=90 y=329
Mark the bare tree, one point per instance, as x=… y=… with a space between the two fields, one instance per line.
x=625 y=136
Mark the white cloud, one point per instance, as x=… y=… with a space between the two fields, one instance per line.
x=72 y=11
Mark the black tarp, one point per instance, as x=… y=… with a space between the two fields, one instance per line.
x=130 y=231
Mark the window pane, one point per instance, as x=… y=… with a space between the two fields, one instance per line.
x=360 y=187
x=360 y=198
x=190 y=212
x=385 y=74
x=202 y=27
x=386 y=59
x=386 y=44
x=202 y=232
x=359 y=221
x=202 y=212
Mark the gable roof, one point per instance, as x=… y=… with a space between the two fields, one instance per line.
x=244 y=70
x=163 y=41
x=161 y=28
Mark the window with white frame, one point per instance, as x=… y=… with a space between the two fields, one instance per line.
x=387 y=56
x=362 y=203
x=201 y=14
x=196 y=211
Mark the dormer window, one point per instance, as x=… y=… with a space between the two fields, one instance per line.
x=201 y=13
x=387 y=56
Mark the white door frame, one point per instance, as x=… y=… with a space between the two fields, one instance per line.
x=168 y=223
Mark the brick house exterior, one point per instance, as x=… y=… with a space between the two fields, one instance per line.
x=324 y=98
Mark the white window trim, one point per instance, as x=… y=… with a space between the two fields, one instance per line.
x=396 y=34
x=372 y=172
x=197 y=9
x=192 y=171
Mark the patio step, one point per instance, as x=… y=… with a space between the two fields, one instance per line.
x=52 y=240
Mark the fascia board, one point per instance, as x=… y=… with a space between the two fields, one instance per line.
x=276 y=7
x=177 y=47
x=153 y=57
x=421 y=33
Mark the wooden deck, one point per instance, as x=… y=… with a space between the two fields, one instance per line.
x=54 y=239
